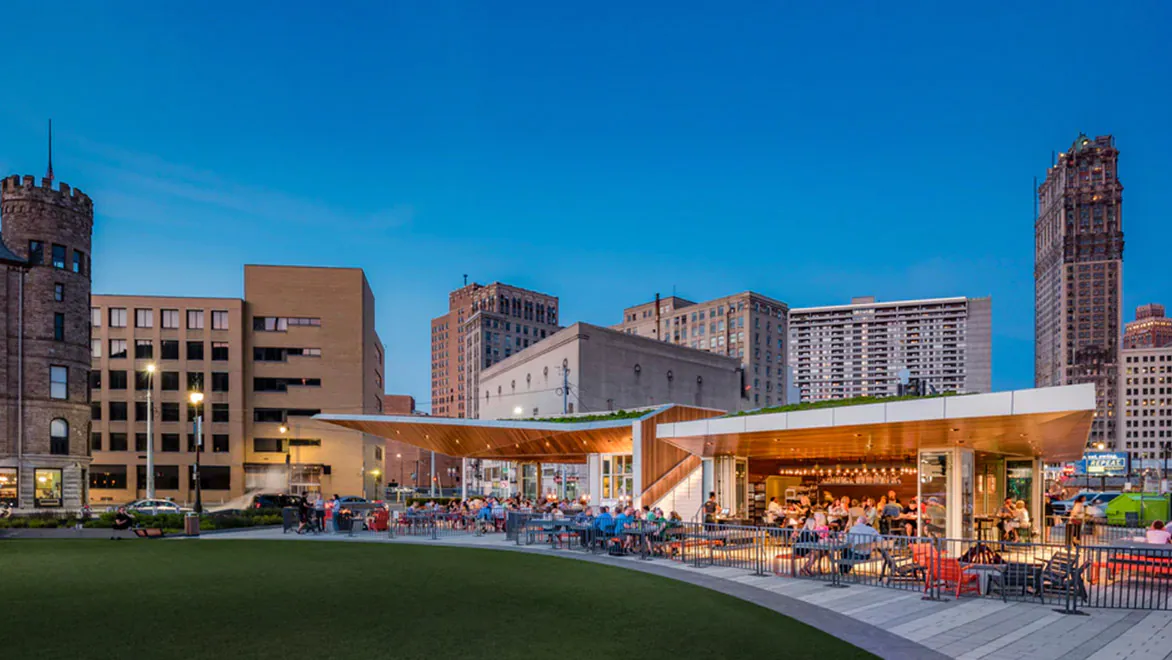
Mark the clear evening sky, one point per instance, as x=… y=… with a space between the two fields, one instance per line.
x=600 y=152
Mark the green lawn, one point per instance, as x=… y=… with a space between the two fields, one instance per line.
x=279 y=599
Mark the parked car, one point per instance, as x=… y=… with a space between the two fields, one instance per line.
x=353 y=499
x=1096 y=503
x=271 y=501
x=156 y=506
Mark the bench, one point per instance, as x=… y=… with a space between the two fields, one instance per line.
x=148 y=532
x=1144 y=565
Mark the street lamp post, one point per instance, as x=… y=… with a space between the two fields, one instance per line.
x=197 y=400
x=150 y=448
x=288 y=465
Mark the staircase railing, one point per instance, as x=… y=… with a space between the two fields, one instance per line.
x=670 y=479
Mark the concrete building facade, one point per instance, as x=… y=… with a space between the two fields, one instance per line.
x=1078 y=276
x=1145 y=395
x=1150 y=329
x=860 y=349
x=484 y=325
x=44 y=363
x=300 y=341
x=748 y=326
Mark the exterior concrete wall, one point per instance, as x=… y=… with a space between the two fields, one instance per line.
x=608 y=370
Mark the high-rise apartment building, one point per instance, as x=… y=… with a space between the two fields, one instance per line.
x=1145 y=395
x=1150 y=329
x=745 y=325
x=862 y=349
x=300 y=341
x=1078 y=276
x=484 y=325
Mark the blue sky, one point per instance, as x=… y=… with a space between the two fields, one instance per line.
x=809 y=151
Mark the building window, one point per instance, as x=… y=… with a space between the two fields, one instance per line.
x=170 y=381
x=307 y=442
x=195 y=319
x=220 y=443
x=282 y=384
x=96 y=379
x=282 y=323
x=117 y=412
x=144 y=318
x=36 y=252
x=191 y=442
x=58 y=382
x=117 y=317
x=59 y=256
x=96 y=317
x=219 y=381
x=79 y=263
x=95 y=441
x=617 y=476
x=144 y=349
x=117 y=379
x=195 y=350
x=219 y=412
x=170 y=411
x=194 y=381
x=47 y=483
x=111 y=477
x=59 y=437
x=169 y=318
x=140 y=442
x=58 y=326
x=219 y=351
x=267 y=445
x=213 y=477
x=169 y=349
x=170 y=442
x=117 y=348
x=59 y=292
x=142 y=380
x=95 y=348
x=9 y=493
x=219 y=320
x=117 y=442
x=96 y=411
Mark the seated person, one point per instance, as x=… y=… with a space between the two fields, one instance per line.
x=1157 y=534
x=774 y=512
x=861 y=537
x=122 y=521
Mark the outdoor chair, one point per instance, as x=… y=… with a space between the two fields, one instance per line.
x=1060 y=574
x=899 y=568
x=1018 y=579
x=944 y=571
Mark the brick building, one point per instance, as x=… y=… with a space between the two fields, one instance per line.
x=44 y=299
x=1150 y=329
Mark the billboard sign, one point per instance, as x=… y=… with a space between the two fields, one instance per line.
x=1102 y=464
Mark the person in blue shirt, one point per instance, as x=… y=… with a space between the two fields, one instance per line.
x=624 y=518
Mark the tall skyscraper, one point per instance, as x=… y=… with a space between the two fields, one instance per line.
x=745 y=325
x=1150 y=329
x=509 y=319
x=1078 y=277
x=860 y=349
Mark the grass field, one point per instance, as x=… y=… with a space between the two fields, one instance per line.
x=258 y=599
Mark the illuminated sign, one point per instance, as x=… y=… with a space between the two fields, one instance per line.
x=1102 y=464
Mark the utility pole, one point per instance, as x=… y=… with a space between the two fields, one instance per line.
x=150 y=448
x=433 y=473
x=565 y=411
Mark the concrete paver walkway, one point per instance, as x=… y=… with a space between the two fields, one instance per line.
x=889 y=623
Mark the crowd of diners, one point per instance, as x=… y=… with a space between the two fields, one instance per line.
x=887 y=515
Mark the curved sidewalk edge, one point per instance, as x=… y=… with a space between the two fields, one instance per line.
x=870 y=638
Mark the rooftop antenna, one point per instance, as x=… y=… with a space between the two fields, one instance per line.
x=465 y=279
x=49 y=174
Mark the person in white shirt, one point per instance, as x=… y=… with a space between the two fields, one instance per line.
x=774 y=511
x=1157 y=534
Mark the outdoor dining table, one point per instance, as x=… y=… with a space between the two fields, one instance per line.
x=985 y=573
x=642 y=531
x=816 y=550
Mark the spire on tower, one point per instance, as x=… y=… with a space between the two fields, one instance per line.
x=49 y=174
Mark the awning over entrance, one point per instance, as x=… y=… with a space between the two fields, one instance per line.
x=1052 y=423
x=544 y=441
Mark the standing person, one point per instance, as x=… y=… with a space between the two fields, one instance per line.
x=319 y=513
x=333 y=509
x=710 y=508
x=774 y=511
x=84 y=516
x=1078 y=513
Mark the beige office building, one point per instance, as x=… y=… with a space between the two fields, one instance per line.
x=300 y=341
x=748 y=326
x=1145 y=390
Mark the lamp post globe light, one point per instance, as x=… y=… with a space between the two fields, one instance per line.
x=196 y=399
x=150 y=448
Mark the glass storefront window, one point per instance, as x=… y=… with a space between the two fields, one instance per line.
x=617 y=476
x=966 y=494
x=1019 y=482
x=8 y=489
x=934 y=468
x=47 y=487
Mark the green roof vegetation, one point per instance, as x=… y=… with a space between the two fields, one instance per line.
x=582 y=419
x=839 y=403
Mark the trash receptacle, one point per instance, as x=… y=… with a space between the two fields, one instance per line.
x=191 y=524
x=288 y=519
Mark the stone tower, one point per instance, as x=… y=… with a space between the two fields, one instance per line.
x=45 y=358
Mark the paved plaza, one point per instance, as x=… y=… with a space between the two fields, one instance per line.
x=888 y=623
